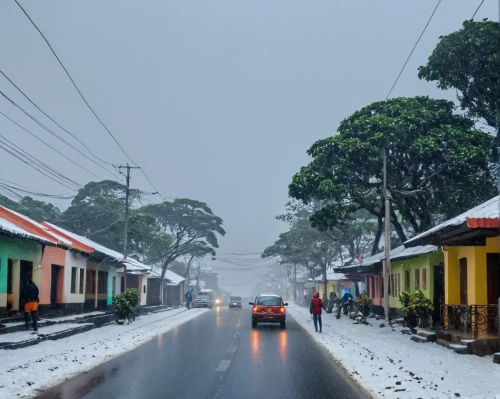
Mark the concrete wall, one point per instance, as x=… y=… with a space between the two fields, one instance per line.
x=476 y=272
x=17 y=249
x=77 y=260
x=52 y=256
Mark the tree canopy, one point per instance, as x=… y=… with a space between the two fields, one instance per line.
x=437 y=165
x=469 y=60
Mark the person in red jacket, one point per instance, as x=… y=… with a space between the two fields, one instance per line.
x=315 y=308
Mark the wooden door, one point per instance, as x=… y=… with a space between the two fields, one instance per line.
x=463 y=281
x=493 y=288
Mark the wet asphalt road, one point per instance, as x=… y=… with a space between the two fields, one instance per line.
x=217 y=355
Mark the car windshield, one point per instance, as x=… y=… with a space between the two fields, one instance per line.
x=268 y=301
x=235 y=298
x=203 y=294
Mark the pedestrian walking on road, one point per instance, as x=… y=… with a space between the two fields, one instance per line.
x=30 y=300
x=315 y=308
x=189 y=297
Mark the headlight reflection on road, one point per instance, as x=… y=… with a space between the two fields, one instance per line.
x=282 y=341
x=218 y=318
x=159 y=341
x=255 y=343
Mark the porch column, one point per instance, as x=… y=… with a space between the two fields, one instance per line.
x=96 y=286
x=451 y=276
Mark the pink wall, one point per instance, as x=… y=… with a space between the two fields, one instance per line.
x=375 y=289
x=56 y=256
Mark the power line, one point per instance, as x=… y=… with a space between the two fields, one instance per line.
x=72 y=81
x=54 y=121
x=51 y=131
x=413 y=49
x=30 y=160
x=35 y=193
x=82 y=96
x=48 y=145
x=475 y=12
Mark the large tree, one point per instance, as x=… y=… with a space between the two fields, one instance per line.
x=98 y=212
x=469 y=61
x=306 y=246
x=437 y=166
x=192 y=226
x=37 y=210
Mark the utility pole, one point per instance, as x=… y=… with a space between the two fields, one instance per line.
x=125 y=244
x=387 y=245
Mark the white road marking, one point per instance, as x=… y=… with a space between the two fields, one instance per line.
x=223 y=365
x=232 y=349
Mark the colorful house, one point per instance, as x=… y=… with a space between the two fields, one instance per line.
x=21 y=256
x=411 y=269
x=418 y=268
x=73 y=273
x=471 y=268
x=104 y=276
x=336 y=282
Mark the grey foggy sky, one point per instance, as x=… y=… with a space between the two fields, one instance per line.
x=217 y=100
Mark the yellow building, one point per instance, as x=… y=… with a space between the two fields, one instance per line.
x=337 y=282
x=471 y=268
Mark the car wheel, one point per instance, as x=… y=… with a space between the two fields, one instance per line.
x=254 y=324
x=282 y=324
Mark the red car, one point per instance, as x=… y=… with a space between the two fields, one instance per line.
x=268 y=308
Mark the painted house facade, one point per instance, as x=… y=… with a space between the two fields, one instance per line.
x=471 y=268
x=336 y=282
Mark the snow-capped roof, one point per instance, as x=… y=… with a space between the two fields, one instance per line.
x=11 y=228
x=132 y=264
x=331 y=276
x=486 y=210
x=57 y=239
x=174 y=277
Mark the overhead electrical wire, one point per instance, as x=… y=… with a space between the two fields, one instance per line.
x=413 y=49
x=48 y=145
x=82 y=96
x=35 y=193
x=51 y=131
x=54 y=121
x=30 y=160
x=480 y=5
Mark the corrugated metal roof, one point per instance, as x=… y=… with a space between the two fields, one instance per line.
x=488 y=209
x=132 y=264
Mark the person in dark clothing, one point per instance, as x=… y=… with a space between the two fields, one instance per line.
x=315 y=308
x=30 y=304
x=343 y=301
x=189 y=298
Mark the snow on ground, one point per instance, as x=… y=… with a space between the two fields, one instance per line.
x=25 y=372
x=21 y=336
x=389 y=365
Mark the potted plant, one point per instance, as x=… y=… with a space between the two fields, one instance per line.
x=417 y=309
x=126 y=305
x=409 y=314
x=363 y=304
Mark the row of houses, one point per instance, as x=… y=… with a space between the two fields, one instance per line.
x=456 y=264
x=74 y=274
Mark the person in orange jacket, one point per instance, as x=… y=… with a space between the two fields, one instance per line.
x=315 y=308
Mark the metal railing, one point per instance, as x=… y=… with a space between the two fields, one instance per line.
x=473 y=319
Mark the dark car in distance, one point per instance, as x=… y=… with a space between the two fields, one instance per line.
x=268 y=308
x=235 y=302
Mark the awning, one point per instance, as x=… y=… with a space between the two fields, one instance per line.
x=310 y=284
x=483 y=223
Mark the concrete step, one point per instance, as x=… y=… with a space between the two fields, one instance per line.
x=36 y=339
x=419 y=339
x=460 y=349
x=429 y=335
x=21 y=326
x=496 y=358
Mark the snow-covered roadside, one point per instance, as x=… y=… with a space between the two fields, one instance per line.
x=389 y=365
x=25 y=372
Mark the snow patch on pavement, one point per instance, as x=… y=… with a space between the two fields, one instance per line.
x=22 y=336
x=389 y=365
x=26 y=372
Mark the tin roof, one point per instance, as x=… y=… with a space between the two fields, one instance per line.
x=481 y=216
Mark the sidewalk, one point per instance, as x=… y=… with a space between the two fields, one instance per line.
x=389 y=365
x=27 y=371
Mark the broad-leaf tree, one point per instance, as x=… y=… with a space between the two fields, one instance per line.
x=37 y=210
x=437 y=166
x=192 y=226
x=469 y=60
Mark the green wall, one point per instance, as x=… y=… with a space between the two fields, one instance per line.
x=427 y=262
